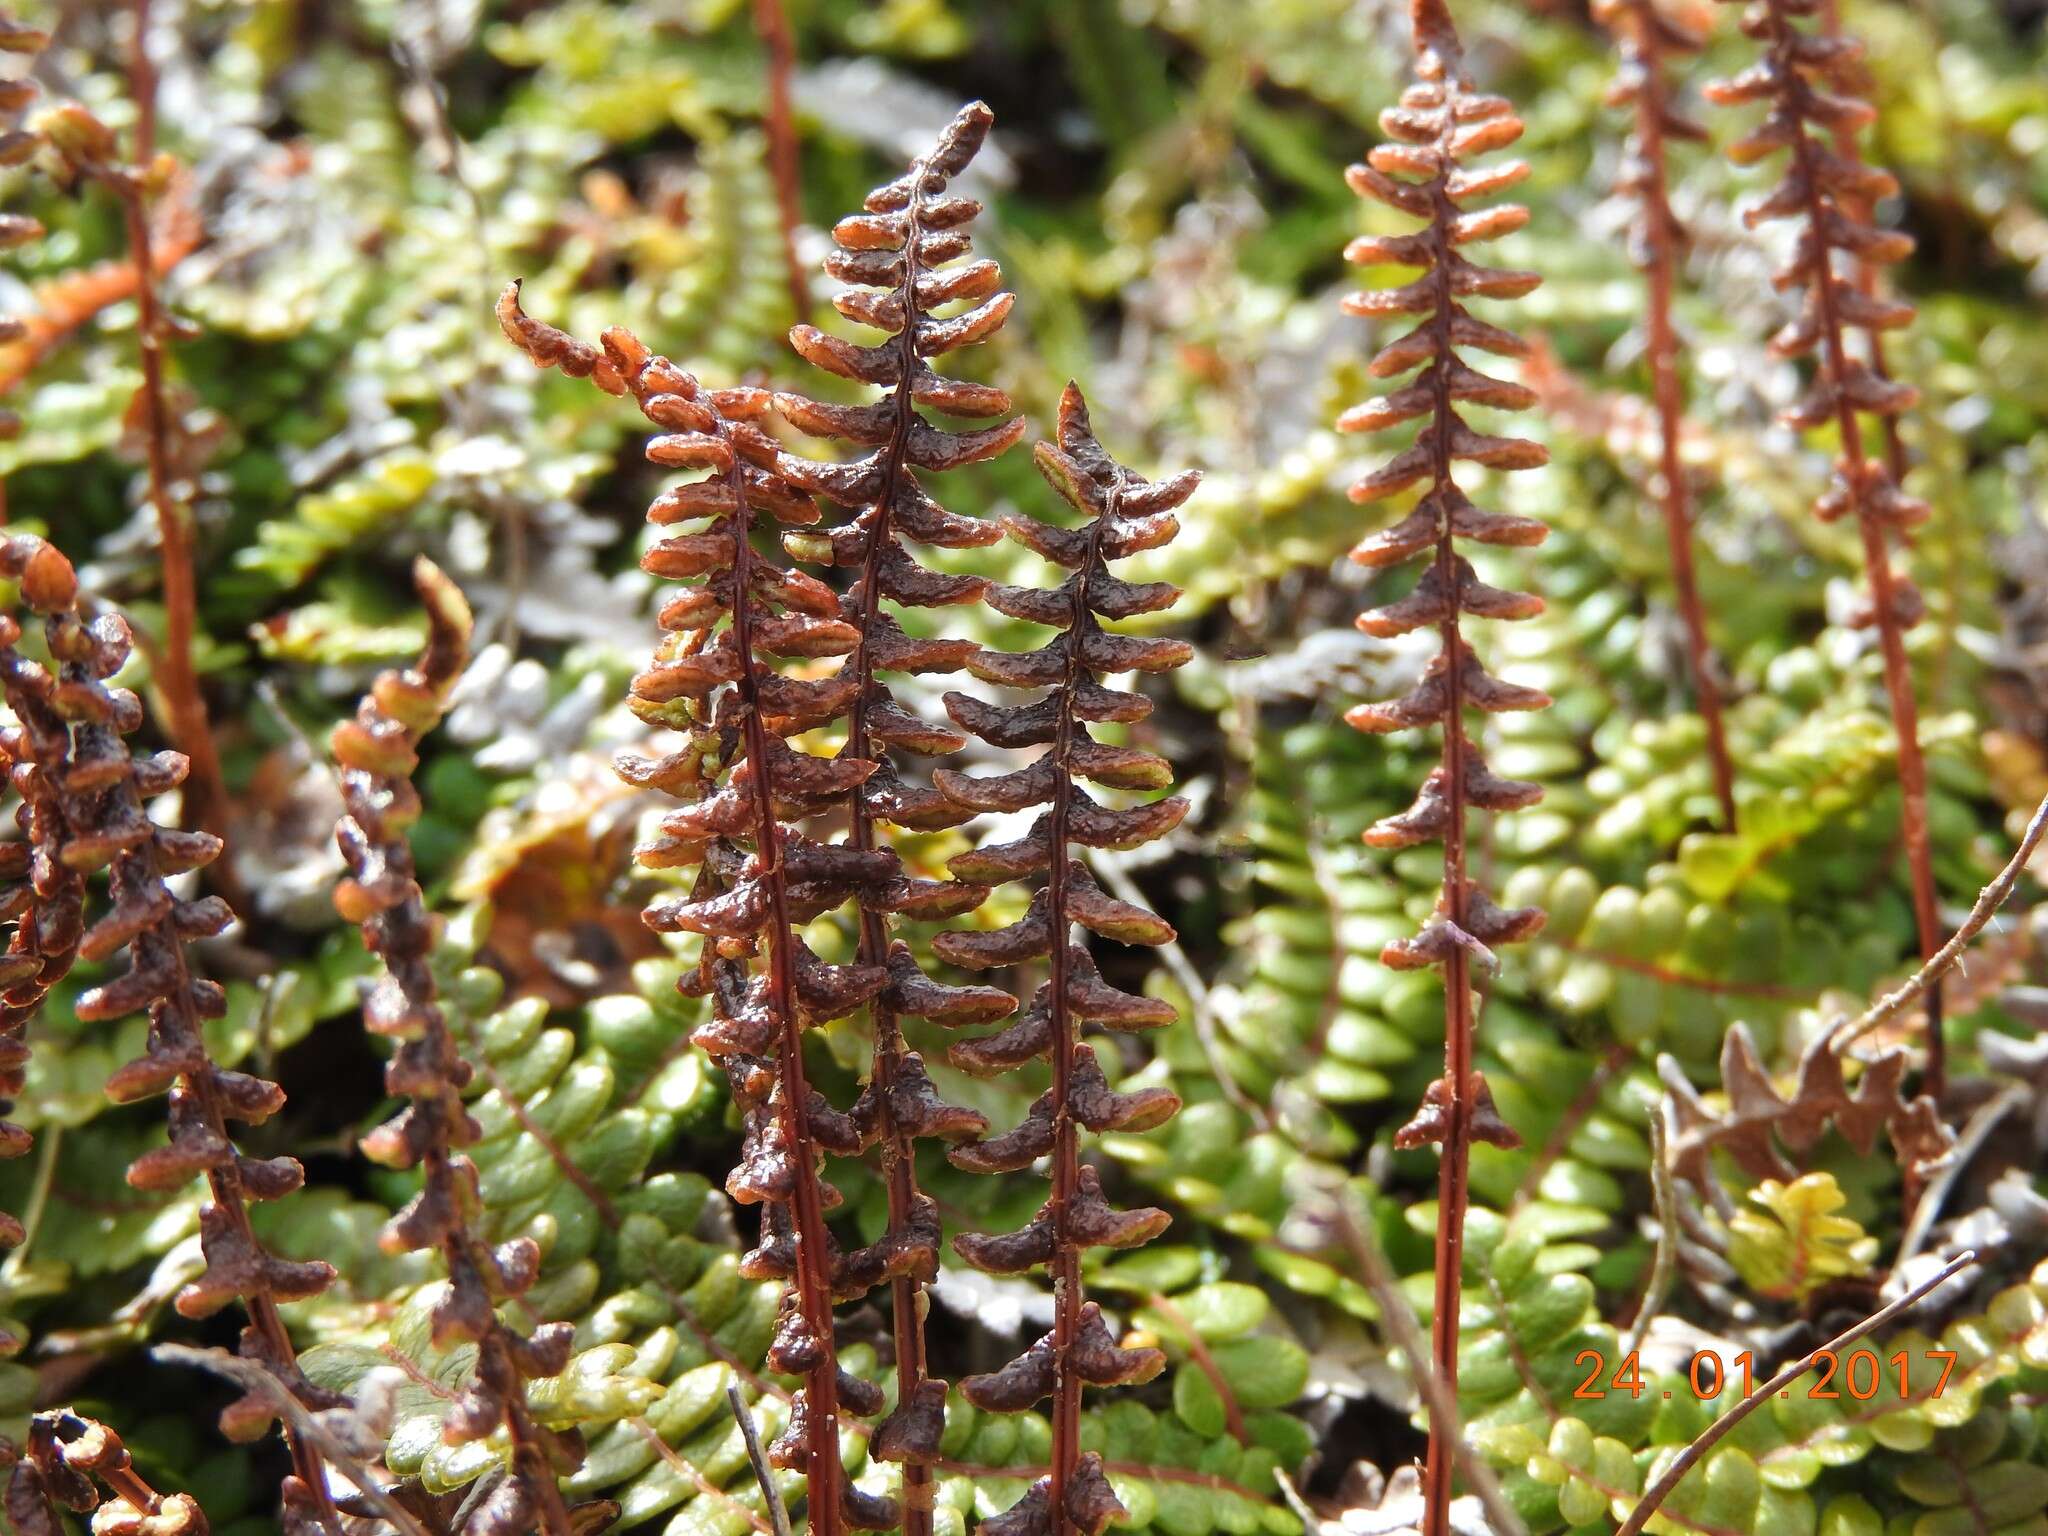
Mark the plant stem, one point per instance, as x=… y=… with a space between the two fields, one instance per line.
x=1453 y=1194
x=1989 y=900
x=772 y=22
x=778 y=1513
x=1398 y=1318
x=205 y=793
x=1661 y=237
x=1066 y=1153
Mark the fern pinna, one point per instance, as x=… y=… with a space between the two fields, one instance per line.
x=1440 y=124
x=1829 y=190
x=378 y=753
x=901 y=254
x=1125 y=515
x=100 y=802
x=1647 y=36
x=758 y=878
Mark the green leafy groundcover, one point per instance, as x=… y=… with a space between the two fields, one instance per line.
x=1165 y=192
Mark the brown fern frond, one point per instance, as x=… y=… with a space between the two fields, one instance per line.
x=1432 y=170
x=41 y=893
x=67 y=1458
x=1647 y=35
x=757 y=876
x=1760 y=1120
x=100 y=803
x=902 y=257
x=1124 y=515
x=1800 y=78
x=378 y=752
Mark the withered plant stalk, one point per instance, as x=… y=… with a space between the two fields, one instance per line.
x=1828 y=190
x=900 y=253
x=1647 y=35
x=1440 y=124
x=1123 y=515
x=378 y=754
x=746 y=783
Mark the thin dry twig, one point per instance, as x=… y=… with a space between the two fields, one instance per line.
x=1403 y=1328
x=778 y=1514
x=1945 y=959
x=1665 y=1264
x=1714 y=1432
x=254 y=1377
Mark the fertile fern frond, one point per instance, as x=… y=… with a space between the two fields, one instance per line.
x=45 y=890
x=378 y=752
x=66 y=1459
x=757 y=876
x=1830 y=191
x=1123 y=514
x=1647 y=36
x=100 y=801
x=1441 y=125
x=901 y=255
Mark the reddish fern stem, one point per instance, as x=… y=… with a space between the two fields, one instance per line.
x=1646 y=36
x=772 y=22
x=712 y=683
x=142 y=83
x=206 y=793
x=88 y=147
x=1066 y=1148
x=1454 y=1166
x=1127 y=515
x=904 y=249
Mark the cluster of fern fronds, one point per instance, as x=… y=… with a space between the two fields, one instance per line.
x=972 y=970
